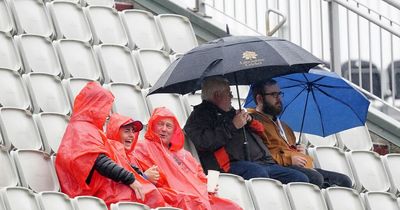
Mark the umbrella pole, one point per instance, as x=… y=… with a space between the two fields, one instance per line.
x=245 y=143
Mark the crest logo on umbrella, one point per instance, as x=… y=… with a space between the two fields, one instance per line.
x=250 y=59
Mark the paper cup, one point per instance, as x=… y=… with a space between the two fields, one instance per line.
x=212 y=180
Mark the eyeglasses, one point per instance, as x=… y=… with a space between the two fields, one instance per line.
x=274 y=94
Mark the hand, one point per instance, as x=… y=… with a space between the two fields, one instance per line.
x=299 y=161
x=137 y=187
x=240 y=119
x=152 y=174
x=300 y=148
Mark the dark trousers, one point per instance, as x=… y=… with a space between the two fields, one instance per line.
x=248 y=170
x=324 y=178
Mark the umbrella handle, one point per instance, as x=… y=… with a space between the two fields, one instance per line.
x=245 y=146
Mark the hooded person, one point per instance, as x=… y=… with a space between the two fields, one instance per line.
x=123 y=132
x=163 y=146
x=85 y=157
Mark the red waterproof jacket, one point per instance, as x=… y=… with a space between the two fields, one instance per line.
x=83 y=141
x=179 y=170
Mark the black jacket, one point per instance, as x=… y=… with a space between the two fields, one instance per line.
x=211 y=130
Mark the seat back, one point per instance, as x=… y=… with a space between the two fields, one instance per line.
x=233 y=187
x=304 y=196
x=18 y=198
x=51 y=128
x=88 y=202
x=128 y=206
x=13 y=92
x=9 y=55
x=268 y=194
x=357 y=138
x=54 y=200
x=380 y=200
x=8 y=175
x=152 y=64
x=339 y=198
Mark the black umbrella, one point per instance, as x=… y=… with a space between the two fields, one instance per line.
x=243 y=60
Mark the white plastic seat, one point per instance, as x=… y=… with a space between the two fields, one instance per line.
x=6 y=20
x=189 y=146
x=171 y=101
x=36 y=170
x=177 y=33
x=391 y=163
x=88 y=202
x=38 y=54
x=233 y=187
x=167 y=208
x=9 y=55
x=151 y=63
x=19 y=198
x=69 y=21
x=305 y=196
x=141 y=29
x=54 y=200
x=106 y=25
x=190 y=100
x=78 y=59
x=18 y=129
x=316 y=141
x=8 y=175
x=47 y=93
x=368 y=171
x=51 y=128
x=357 y=138
x=380 y=200
x=31 y=17
x=73 y=86
x=340 y=198
x=13 y=92
x=128 y=206
x=129 y=101
x=331 y=159
x=118 y=64
x=106 y=3
x=268 y=194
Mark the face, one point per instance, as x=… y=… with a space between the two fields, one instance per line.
x=272 y=100
x=127 y=135
x=164 y=128
x=223 y=98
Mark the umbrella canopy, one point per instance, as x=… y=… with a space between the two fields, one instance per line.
x=243 y=60
x=319 y=103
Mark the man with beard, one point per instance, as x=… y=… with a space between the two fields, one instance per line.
x=281 y=141
x=217 y=131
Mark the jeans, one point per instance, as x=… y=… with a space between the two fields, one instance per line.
x=248 y=170
x=323 y=178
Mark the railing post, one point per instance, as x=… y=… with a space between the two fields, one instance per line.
x=334 y=36
x=199 y=8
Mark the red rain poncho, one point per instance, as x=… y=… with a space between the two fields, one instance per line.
x=173 y=198
x=178 y=168
x=82 y=143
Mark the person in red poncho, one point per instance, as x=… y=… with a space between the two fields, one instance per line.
x=163 y=146
x=85 y=157
x=123 y=134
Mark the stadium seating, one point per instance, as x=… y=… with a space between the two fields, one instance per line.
x=107 y=3
x=128 y=206
x=8 y=175
x=36 y=170
x=357 y=138
x=268 y=194
x=44 y=60
x=73 y=86
x=13 y=92
x=7 y=23
x=380 y=200
x=177 y=33
x=9 y=54
x=19 y=198
x=69 y=21
x=54 y=200
x=315 y=141
x=148 y=37
x=88 y=202
x=233 y=187
x=391 y=163
x=118 y=64
x=151 y=63
x=340 y=198
x=305 y=196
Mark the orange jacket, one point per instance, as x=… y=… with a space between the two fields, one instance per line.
x=179 y=170
x=280 y=150
x=82 y=143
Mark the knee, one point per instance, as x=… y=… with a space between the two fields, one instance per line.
x=297 y=176
x=316 y=178
x=345 y=181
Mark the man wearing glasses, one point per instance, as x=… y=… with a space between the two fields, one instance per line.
x=281 y=141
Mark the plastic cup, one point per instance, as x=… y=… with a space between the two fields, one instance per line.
x=212 y=180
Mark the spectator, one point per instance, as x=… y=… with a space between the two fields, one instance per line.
x=163 y=146
x=217 y=131
x=87 y=164
x=281 y=140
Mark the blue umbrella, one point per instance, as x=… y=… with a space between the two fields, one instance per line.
x=319 y=103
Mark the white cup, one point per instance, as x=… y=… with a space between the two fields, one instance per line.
x=212 y=180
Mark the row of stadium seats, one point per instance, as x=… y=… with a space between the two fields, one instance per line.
x=97 y=25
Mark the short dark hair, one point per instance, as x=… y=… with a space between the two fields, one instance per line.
x=258 y=88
